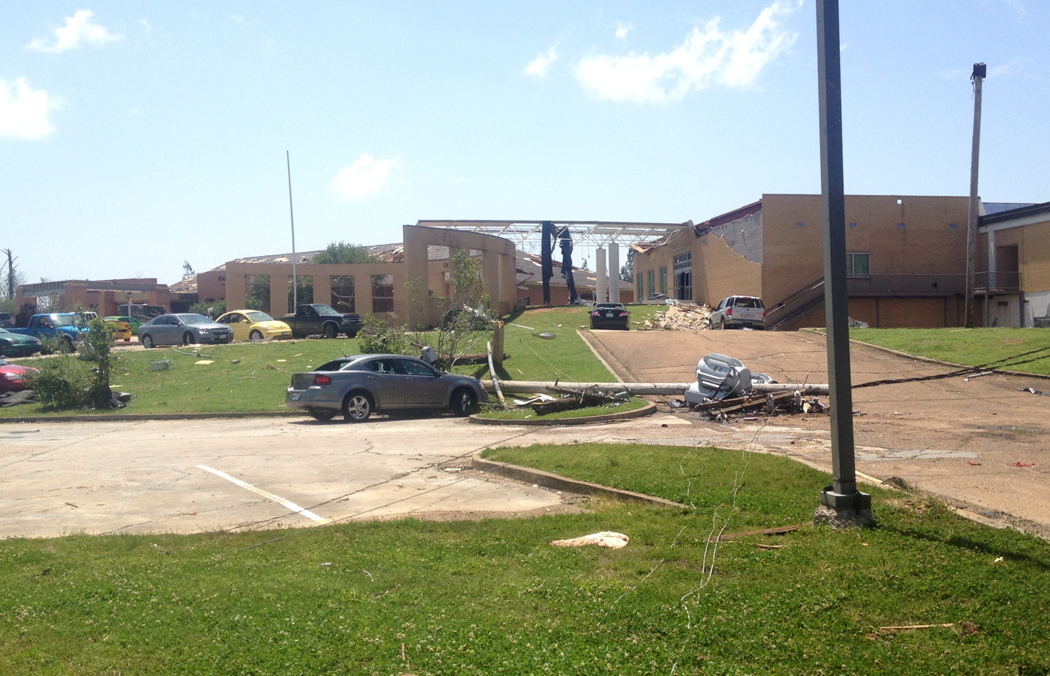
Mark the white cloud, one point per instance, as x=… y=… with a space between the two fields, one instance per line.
x=365 y=176
x=78 y=31
x=539 y=66
x=707 y=57
x=622 y=30
x=146 y=25
x=1007 y=68
x=24 y=110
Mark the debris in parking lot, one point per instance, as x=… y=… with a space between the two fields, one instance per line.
x=977 y=375
x=679 y=317
x=1024 y=464
x=15 y=398
x=609 y=539
x=1033 y=391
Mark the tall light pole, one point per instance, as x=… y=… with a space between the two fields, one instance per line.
x=291 y=214
x=841 y=504
x=979 y=72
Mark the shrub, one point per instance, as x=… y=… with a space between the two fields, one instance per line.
x=62 y=383
x=210 y=308
x=379 y=337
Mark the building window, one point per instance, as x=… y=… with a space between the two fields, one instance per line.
x=663 y=280
x=257 y=292
x=640 y=292
x=343 y=293
x=304 y=291
x=652 y=282
x=683 y=276
x=382 y=293
x=858 y=265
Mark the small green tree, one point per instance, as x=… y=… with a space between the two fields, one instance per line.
x=341 y=252
x=466 y=317
x=66 y=382
x=98 y=344
x=379 y=337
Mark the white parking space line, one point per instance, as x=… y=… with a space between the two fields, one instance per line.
x=269 y=496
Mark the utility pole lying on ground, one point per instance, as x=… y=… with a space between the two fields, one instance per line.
x=979 y=71
x=841 y=504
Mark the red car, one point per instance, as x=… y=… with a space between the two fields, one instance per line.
x=13 y=376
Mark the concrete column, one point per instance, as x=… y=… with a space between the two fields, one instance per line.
x=323 y=289
x=599 y=291
x=235 y=289
x=279 y=284
x=991 y=259
x=614 y=272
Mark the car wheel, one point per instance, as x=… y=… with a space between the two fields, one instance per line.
x=329 y=331
x=187 y=338
x=147 y=341
x=127 y=340
x=323 y=416
x=357 y=407
x=256 y=336
x=463 y=402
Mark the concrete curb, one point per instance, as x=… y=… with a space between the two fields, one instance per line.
x=648 y=409
x=549 y=480
x=130 y=417
x=938 y=362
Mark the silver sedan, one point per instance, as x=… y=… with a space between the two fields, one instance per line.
x=184 y=329
x=358 y=386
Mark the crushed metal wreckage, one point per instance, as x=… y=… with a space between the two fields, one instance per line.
x=725 y=386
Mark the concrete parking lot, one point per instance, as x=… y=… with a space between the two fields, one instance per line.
x=980 y=442
x=201 y=475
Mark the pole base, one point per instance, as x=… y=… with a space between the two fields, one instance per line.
x=840 y=510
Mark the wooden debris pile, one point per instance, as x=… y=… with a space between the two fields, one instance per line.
x=757 y=402
x=679 y=317
x=572 y=399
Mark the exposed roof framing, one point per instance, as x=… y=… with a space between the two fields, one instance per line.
x=595 y=233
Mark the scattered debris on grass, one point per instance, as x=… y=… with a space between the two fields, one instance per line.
x=1033 y=391
x=609 y=539
x=679 y=317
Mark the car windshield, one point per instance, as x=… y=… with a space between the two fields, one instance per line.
x=324 y=310
x=3 y=363
x=63 y=320
x=259 y=316
x=194 y=319
x=4 y=331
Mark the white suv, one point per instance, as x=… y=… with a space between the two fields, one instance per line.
x=739 y=311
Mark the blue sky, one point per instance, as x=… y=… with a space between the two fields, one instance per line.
x=138 y=135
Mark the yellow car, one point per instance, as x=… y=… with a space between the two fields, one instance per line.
x=121 y=331
x=255 y=326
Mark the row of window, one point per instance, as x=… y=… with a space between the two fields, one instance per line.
x=857 y=265
x=257 y=293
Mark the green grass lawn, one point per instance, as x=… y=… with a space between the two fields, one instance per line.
x=253 y=377
x=493 y=597
x=971 y=347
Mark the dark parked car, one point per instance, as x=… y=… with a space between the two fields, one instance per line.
x=6 y=320
x=18 y=345
x=183 y=329
x=357 y=386
x=610 y=316
x=313 y=319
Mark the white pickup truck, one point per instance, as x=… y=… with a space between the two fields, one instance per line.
x=739 y=311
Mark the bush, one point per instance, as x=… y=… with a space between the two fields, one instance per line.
x=62 y=383
x=67 y=382
x=379 y=337
x=211 y=308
